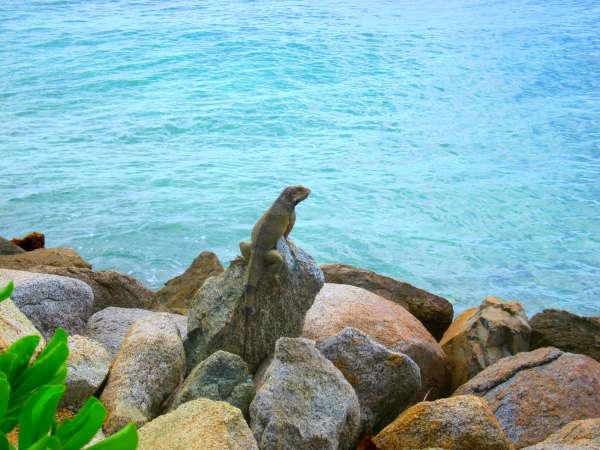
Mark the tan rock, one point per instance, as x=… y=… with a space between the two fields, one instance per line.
x=460 y=423
x=198 y=425
x=481 y=336
x=534 y=394
x=15 y=325
x=58 y=257
x=338 y=306
x=178 y=292
x=579 y=434
x=434 y=312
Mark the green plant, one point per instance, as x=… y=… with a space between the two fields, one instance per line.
x=29 y=397
x=5 y=293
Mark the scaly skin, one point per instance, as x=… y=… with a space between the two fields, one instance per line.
x=261 y=254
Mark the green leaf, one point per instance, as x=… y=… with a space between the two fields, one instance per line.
x=60 y=337
x=7 y=424
x=75 y=433
x=4 y=394
x=38 y=414
x=5 y=292
x=46 y=443
x=22 y=349
x=7 y=361
x=3 y=442
x=126 y=439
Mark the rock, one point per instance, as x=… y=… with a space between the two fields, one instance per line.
x=8 y=248
x=481 y=336
x=110 y=288
x=148 y=367
x=338 y=306
x=579 y=434
x=535 y=393
x=87 y=367
x=216 y=320
x=385 y=382
x=464 y=422
x=15 y=325
x=198 y=425
x=222 y=376
x=51 y=301
x=566 y=331
x=32 y=241
x=57 y=257
x=178 y=292
x=304 y=402
x=110 y=325
x=434 y=312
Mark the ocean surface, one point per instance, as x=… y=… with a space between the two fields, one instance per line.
x=451 y=144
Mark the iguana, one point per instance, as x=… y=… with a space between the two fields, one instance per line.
x=261 y=254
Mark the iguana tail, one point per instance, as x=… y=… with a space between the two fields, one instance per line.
x=250 y=287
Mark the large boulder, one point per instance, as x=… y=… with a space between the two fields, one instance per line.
x=481 y=336
x=14 y=325
x=385 y=382
x=198 y=425
x=87 y=368
x=338 y=306
x=50 y=301
x=218 y=318
x=148 y=367
x=304 y=402
x=566 y=331
x=533 y=394
x=222 y=376
x=58 y=257
x=464 y=423
x=8 y=248
x=577 y=435
x=434 y=312
x=178 y=292
x=110 y=288
x=110 y=325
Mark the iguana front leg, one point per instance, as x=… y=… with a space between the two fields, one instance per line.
x=291 y=223
x=273 y=262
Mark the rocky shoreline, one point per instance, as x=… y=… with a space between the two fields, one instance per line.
x=333 y=357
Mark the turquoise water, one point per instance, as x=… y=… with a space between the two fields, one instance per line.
x=454 y=145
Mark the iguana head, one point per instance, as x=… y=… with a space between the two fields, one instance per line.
x=293 y=195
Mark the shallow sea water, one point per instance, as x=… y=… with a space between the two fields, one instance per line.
x=454 y=145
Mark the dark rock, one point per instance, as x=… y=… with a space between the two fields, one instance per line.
x=434 y=312
x=566 y=331
x=8 y=248
x=31 y=242
x=217 y=315
x=178 y=292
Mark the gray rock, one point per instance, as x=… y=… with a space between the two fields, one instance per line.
x=110 y=288
x=148 y=367
x=385 y=382
x=304 y=402
x=87 y=367
x=8 y=248
x=110 y=325
x=50 y=301
x=217 y=315
x=222 y=376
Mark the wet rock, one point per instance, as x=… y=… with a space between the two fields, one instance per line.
x=464 y=422
x=110 y=325
x=434 y=312
x=51 y=301
x=338 y=306
x=87 y=367
x=577 y=435
x=8 y=248
x=534 y=394
x=216 y=320
x=32 y=241
x=178 y=292
x=110 y=288
x=198 y=424
x=15 y=325
x=385 y=382
x=481 y=336
x=57 y=257
x=148 y=367
x=566 y=331
x=222 y=376
x=304 y=402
